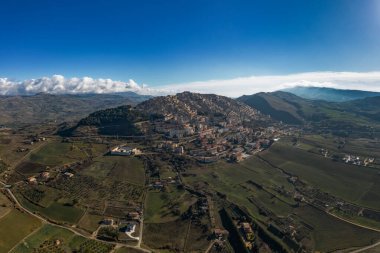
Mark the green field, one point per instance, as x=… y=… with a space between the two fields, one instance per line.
x=360 y=185
x=60 y=212
x=198 y=239
x=55 y=211
x=231 y=180
x=14 y=227
x=169 y=235
x=160 y=206
x=8 y=146
x=332 y=234
x=361 y=147
x=120 y=168
x=48 y=235
x=57 y=153
x=128 y=250
x=90 y=222
x=5 y=205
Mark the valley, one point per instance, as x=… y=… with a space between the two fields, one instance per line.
x=195 y=173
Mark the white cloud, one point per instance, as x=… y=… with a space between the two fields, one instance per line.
x=253 y=84
x=58 y=84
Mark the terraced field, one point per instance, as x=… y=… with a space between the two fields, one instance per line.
x=328 y=233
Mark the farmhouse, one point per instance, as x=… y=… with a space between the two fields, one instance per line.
x=129 y=227
x=32 y=180
x=125 y=151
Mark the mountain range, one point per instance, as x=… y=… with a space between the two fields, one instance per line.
x=330 y=94
x=359 y=115
x=42 y=107
x=107 y=110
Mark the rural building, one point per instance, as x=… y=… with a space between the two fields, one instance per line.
x=125 y=151
x=68 y=174
x=32 y=180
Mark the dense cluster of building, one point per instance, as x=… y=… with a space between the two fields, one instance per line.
x=208 y=139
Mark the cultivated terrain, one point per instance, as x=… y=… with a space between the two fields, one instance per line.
x=269 y=172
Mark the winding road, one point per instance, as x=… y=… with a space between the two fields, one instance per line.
x=45 y=221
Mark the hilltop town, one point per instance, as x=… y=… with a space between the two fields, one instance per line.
x=189 y=173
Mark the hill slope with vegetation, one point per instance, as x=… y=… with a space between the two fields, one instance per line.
x=114 y=121
x=188 y=104
x=182 y=107
x=362 y=115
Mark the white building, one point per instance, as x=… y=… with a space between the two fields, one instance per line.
x=125 y=151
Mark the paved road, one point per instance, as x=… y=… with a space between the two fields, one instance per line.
x=45 y=221
x=140 y=232
x=353 y=223
x=366 y=248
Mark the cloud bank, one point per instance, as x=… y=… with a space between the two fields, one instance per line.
x=249 y=85
x=235 y=87
x=58 y=84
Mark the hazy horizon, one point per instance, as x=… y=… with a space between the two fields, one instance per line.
x=58 y=84
x=161 y=47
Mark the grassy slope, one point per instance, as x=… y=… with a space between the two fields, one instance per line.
x=160 y=204
x=69 y=241
x=331 y=234
x=55 y=211
x=230 y=179
x=353 y=183
x=292 y=109
x=57 y=153
x=129 y=169
x=14 y=227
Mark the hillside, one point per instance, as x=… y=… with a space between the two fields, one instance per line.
x=368 y=107
x=113 y=121
x=18 y=110
x=330 y=94
x=279 y=105
x=182 y=108
x=189 y=104
x=356 y=115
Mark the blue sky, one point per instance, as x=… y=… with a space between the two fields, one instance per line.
x=173 y=42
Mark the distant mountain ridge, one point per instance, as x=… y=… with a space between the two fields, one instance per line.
x=44 y=107
x=349 y=116
x=330 y=94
